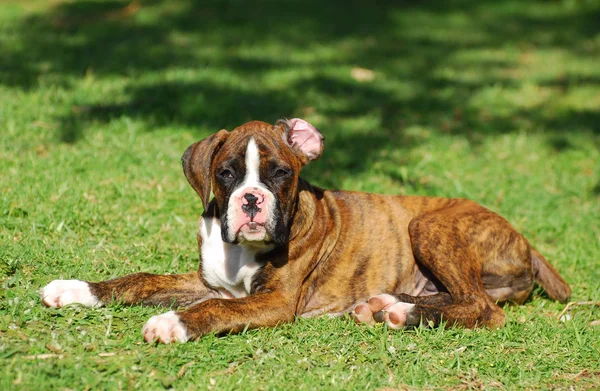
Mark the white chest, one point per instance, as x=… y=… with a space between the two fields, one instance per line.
x=224 y=265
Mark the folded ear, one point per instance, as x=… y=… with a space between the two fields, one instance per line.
x=304 y=138
x=197 y=163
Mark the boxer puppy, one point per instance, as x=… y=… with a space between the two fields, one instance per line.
x=273 y=247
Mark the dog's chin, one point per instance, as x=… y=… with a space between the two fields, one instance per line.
x=255 y=236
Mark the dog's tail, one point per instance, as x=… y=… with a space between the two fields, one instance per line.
x=547 y=276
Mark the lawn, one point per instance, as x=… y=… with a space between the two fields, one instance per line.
x=497 y=101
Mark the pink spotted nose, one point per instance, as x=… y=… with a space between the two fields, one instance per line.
x=250 y=202
x=248 y=214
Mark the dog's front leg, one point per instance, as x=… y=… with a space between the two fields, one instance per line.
x=221 y=316
x=139 y=288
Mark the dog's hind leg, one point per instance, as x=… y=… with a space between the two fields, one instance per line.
x=462 y=246
x=139 y=288
x=456 y=244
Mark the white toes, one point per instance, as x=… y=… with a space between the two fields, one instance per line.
x=383 y=308
x=362 y=314
x=382 y=301
x=59 y=293
x=396 y=314
x=165 y=328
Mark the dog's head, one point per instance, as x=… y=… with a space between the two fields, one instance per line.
x=253 y=173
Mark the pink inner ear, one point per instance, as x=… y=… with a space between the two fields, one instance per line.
x=306 y=138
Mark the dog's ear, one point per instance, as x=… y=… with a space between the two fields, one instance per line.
x=197 y=163
x=304 y=138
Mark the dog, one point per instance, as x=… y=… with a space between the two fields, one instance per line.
x=273 y=247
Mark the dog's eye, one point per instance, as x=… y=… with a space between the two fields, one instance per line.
x=226 y=174
x=281 y=173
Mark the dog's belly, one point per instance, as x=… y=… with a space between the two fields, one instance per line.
x=499 y=289
x=336 y=298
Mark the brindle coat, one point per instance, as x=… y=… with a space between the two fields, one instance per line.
x=453 y=258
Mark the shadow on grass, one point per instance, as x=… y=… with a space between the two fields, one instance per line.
x=596 y=189
x=216 y=64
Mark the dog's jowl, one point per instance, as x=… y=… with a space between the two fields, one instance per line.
x=273 y=247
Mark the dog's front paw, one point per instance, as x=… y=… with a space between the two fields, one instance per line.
x=62 y=292
x=165 y=328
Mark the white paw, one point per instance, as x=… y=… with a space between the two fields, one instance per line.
x=63 y=292
x=165 y=328
x=397 y=313
x=383 y=308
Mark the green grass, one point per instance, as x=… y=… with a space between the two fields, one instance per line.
x=495 y=101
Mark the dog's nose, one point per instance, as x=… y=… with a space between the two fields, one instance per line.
x=251 y=198
x=251 y=209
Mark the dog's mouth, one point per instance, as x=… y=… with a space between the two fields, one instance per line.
x=253 y=232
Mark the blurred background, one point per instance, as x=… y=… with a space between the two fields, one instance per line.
x=375 y=75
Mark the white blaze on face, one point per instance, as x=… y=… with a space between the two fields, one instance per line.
x=252 y=166
x=237 y=220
